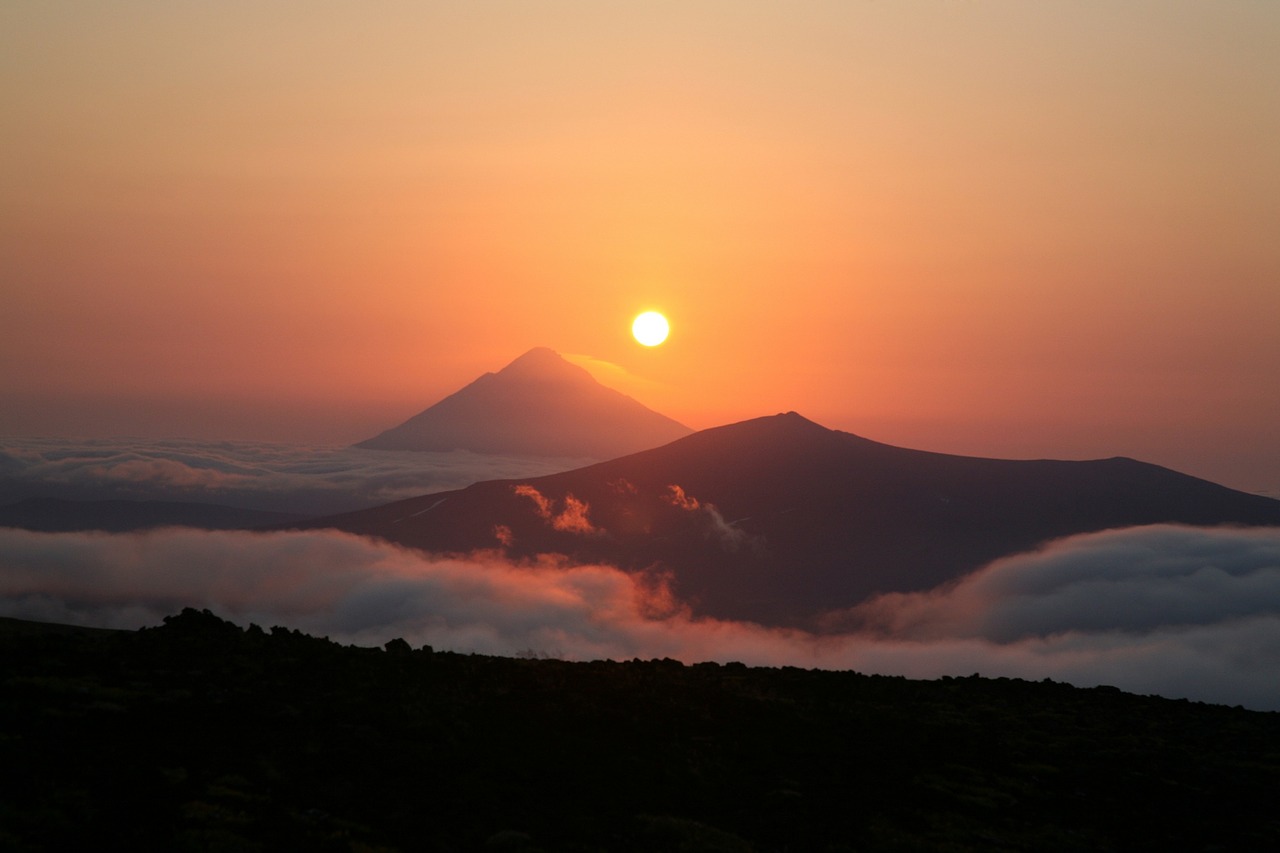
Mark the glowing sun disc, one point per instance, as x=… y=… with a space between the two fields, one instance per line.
x=650 y=328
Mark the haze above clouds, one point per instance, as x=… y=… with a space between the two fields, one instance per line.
x=1182 y=612
x=305 y=480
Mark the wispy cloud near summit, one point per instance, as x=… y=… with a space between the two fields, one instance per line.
x=573 y=517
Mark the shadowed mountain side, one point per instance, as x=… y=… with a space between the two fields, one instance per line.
x=55 y=515
x=540 y=405
x=779 y=520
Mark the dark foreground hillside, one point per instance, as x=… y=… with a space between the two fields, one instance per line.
x=198 y=735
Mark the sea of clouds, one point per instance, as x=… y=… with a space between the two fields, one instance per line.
x=281 y=478
x=1177 y=611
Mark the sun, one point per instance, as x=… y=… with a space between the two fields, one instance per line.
x=650 y=328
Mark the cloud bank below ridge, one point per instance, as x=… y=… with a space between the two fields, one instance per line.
x=1182 y=612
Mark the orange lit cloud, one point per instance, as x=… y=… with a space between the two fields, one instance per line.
x=731 y=537
x=677 y=497
x=541 y=504
x=571 y=519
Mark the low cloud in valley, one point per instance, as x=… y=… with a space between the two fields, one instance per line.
x=1183 y=612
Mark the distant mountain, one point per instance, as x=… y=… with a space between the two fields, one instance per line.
x=538 y=405
x=56 y=515
x=779 y=520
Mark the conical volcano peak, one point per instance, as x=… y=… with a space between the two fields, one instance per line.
x=539 y=404
x=545 y=365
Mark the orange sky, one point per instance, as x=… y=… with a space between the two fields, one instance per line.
x=1001 y=228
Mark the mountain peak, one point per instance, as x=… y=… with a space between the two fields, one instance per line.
x=795 y=420
x=538 y=354
x=544 y=364
x=539 y=404
x=771 y=430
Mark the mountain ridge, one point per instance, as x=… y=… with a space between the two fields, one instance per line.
x=200 y=730
x=781 y=521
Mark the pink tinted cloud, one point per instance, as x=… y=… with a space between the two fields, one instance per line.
x=573 y=518
x=542 y=506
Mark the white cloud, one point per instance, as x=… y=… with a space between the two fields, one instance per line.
x=314 y=480
x=1087 y=610
x=1134 y=581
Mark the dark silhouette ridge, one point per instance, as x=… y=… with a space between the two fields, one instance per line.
x=538 y=405
x=794 y=521
x=199 y=734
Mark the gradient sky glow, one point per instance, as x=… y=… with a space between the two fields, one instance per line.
x=996 y=228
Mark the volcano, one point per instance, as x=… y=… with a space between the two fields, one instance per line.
x=539 y=405
x=784 y=522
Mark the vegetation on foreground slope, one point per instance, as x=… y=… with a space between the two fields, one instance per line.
x=199 y=735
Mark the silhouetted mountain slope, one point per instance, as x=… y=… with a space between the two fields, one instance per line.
x=803 y=519
x=118 y=516
x=198 y=735
x=540 y=405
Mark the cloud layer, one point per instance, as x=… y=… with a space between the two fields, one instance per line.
x=1181 y=612
x=1135 y=581
x=314 y=480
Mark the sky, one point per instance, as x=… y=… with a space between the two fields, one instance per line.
x=995 y=228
